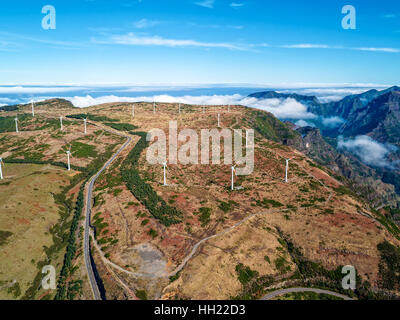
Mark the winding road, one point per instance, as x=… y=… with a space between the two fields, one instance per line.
x=281 y=292
x=86 y=243
x=87 y=257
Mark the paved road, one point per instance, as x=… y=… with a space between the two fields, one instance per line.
x=86 y=247
x=281 y=292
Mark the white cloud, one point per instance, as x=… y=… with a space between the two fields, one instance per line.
x=283 y=109
x=8 y=101
x=206 y=3
x=236 y=27
x=326 y=46
x=368 y=150
x=137 y=40
x=87 y=101
x=302 y=123
x=236 y=5
x=37 y=90
x=145 y=23
x=388 y=50
x=334 y=91
x=390 y=16
x=306 y=46
x=332 y=122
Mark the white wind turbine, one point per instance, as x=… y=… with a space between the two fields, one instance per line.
x=1 y=169
x=85 y=124
x=69 y=160
x=165 y=173
x=16 y=124
x=133 y=110
x=233 y=177
x=287 y=170
x=33 y=109
x=179 y=108
x=219 y=123
x=61 y=123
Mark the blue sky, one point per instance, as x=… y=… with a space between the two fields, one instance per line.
x=199 y=41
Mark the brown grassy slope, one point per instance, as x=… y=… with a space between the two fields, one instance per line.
x=328 y=226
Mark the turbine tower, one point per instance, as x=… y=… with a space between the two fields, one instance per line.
x=85 y=123
x=61 y=123
x=33 y=109
x=133 y=110
x=287 y=170
x=219 y=123
x=16 y=124
x=229 y=108
x=1 y=169
x=69 y=161
x=233 y=178
x=165 y=173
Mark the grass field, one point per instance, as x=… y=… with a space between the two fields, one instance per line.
x=28 y=211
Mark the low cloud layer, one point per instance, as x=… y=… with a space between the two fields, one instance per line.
x=332 y=122
x=368 y=150
x=37 y=89
x=283 y=109
x=87 y=101
x=303 y=123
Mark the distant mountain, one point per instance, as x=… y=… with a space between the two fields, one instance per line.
x=277 y=95
x=365 y=181
x=373 y=113
x=379 y=119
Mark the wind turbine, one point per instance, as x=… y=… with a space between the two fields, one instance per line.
x=85 y=123
x=287 y=170
x=69 y=161
x=179 y=108
x=233 y=177
x=61 y=123
x=165 y=173
x=1 y=169
x=33 y=109
x=133 y=110
x=16 y=124
x=219 y=123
